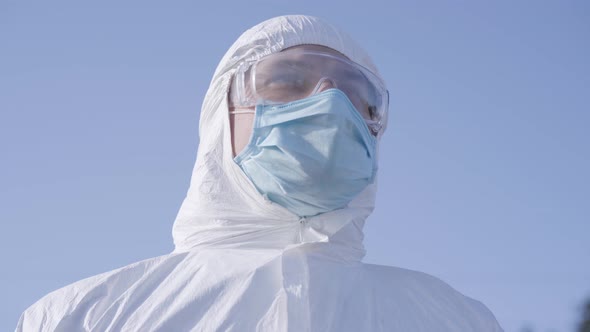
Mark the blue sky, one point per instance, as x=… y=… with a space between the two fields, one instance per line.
x=484 y=177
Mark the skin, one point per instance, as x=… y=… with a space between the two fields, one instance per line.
x=241 y=129
x=241 y=124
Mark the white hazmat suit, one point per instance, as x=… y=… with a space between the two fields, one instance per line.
x=243 y=263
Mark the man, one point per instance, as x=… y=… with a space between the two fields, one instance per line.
x=269 y=237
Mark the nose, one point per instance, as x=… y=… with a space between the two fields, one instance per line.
x=325 y=84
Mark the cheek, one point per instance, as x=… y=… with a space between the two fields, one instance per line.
x=241 y=130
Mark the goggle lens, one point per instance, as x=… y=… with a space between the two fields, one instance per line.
x=292 y=75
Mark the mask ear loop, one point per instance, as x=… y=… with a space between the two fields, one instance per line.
x=238 y=110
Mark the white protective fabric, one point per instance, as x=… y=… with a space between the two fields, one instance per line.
x=242 y=263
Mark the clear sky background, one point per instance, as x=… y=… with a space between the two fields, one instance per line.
x=484 y=177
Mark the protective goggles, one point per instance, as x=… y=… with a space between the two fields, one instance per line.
x=295 y=74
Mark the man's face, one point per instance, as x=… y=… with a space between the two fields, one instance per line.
x=292 y=75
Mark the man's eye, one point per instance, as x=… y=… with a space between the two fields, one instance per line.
x=372 y=112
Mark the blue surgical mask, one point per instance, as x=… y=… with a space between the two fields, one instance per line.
x=312 y=155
